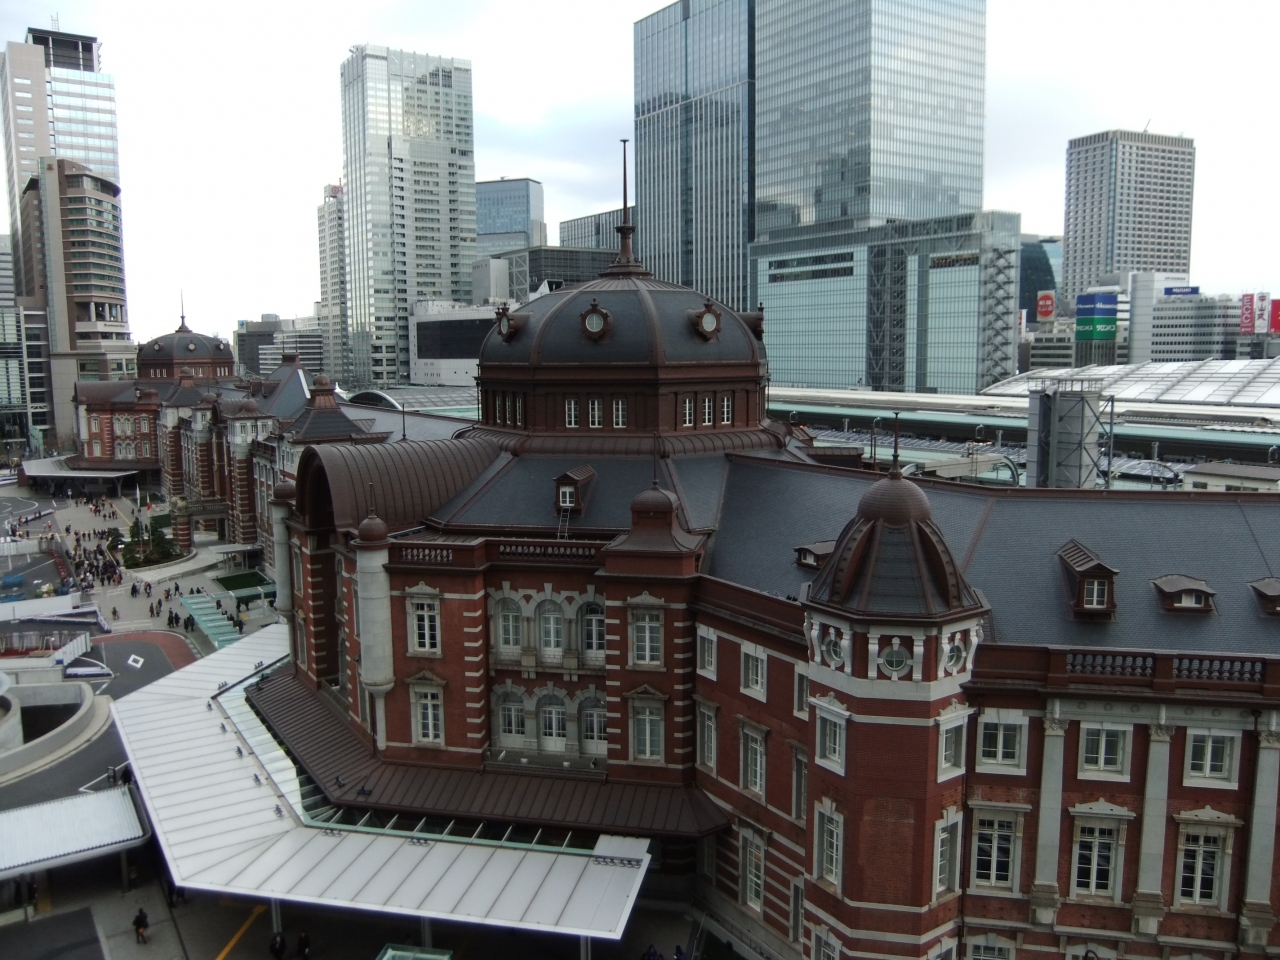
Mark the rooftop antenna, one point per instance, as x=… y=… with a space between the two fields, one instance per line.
x=1147 y=127
x=894 y=469
x=404 y=429
x=657 y=439
x=182 y=311
x=54 y=20
x=626 y=265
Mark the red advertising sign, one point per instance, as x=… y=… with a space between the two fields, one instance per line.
x=1246 y=315
x=1275 y=316
x=1261 y=312
x=1046 y=305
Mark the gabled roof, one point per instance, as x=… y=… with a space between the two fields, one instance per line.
x=1176 y=583
x=1081 y=560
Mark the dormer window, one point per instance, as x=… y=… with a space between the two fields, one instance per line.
x=1096 y=593
x=1268 y=593
x=572 y=489
x=1090 y=582
x=1184 y=594
x=813 y=555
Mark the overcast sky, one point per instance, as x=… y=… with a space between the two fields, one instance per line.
x=230 y=123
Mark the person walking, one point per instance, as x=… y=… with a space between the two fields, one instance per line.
x=304 y=946
x=278 y=947
x=140 y=926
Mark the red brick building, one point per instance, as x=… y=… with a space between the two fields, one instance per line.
x=856 y=716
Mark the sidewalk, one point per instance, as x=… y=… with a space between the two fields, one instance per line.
x=134 y=611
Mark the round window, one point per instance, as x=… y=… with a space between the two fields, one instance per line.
x=831 y=648
x=956 y=656
x=894 y=660
x=594 y=322
x=709 y=321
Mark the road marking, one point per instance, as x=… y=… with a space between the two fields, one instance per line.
x=135 y=661
x=244 y=928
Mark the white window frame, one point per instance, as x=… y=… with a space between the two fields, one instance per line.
x=707 y=652
x=1208 y=823
x=828 y=846
x=1230 y=778
x=989 y=946
x=1007 y=723
x=999 y=813
x=800 y=692
x=1097 y=597
x=423 y=616
x=831 y=734
x=1098 y=815
x=707 y=737
x=568 y=496
x=644 y=655
x=825 y=946
x=747 y=679
x=1086 y=771
x=951 y=736
x=516 y=711
x=799 y=783
x=550 y=625
x=708 y=411
x=687 y=418
x=595 y=414
x=501 y=613
x=753 y=778
x=428 y=693
x=948 y=844
x=726 y=409
x=594 y=648
x=593 y=734
x=553 y=727
x=751 y=882
x=619 y=414
x=653 y=713
x=571 y=414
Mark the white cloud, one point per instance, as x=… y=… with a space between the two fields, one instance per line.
x=230 y=123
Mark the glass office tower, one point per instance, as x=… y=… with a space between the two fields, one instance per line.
x=867 y=110
x=694 y=142
x=56 y=103
x=409 y=181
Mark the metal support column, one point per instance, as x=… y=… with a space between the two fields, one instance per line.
x=426 y=933
x=277 y=925
x=584 y=948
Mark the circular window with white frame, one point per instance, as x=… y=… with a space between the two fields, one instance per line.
x=895 y=659
x=957 y=654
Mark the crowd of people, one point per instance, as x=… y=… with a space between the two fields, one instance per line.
x=91 y=562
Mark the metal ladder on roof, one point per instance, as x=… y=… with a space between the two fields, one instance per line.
x=562 y=531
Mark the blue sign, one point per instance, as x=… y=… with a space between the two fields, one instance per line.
x=1181 y=291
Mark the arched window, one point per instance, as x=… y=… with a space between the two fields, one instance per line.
x=507 y=625
x=550 y=630
x=592 y=621
x=553 y=725
x=592 y=727
x=511 y=726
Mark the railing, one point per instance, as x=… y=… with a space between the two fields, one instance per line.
x=1221 y=671
x=437 y=555
x=546 y=551
x=1109 y=665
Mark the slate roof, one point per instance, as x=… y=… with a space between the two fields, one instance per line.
x=1248 y=471
x=328 y=749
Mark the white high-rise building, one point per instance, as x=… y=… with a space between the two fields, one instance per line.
x=1172 y=321
x=1128 y=207
x=332 y=307
x=409 y=177
x=56 y=103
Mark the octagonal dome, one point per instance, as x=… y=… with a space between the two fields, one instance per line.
x=644 y=322
x=185 y=346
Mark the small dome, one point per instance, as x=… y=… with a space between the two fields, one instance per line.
x=186 y=372
x=209 y=398
x=249 y=406
x=322 y=381
x=654 y=500
x=285 y=490
x=185 y=344
x=896 y=501
x=373 y=529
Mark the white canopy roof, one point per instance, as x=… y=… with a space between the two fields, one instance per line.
x=222 y=831
x=68 y=830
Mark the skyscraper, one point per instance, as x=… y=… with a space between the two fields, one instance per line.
x=509 y=216
x=6 y=272
x=867 y=111
x=409 y=177
x=57 y=103
x=597 y=230
x=1128 y=207
x=694 y=144
x=332 y=309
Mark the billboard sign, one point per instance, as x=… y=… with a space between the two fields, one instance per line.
x=1046 y=305
x=1275 y=316
x=1246 y=315
x=1096 y=316
x=1261 y=312
x=1181 y=291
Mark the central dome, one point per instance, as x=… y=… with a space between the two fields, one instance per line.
x=896 y=501
x=633 y=320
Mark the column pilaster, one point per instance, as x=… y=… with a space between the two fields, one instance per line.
x=1044 y=891
x=1148 y=899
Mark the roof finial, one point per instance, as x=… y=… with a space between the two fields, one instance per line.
x=894 y=469
x=626 y=265
x=657 y=439
x=372 y=512
x=182 y=312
